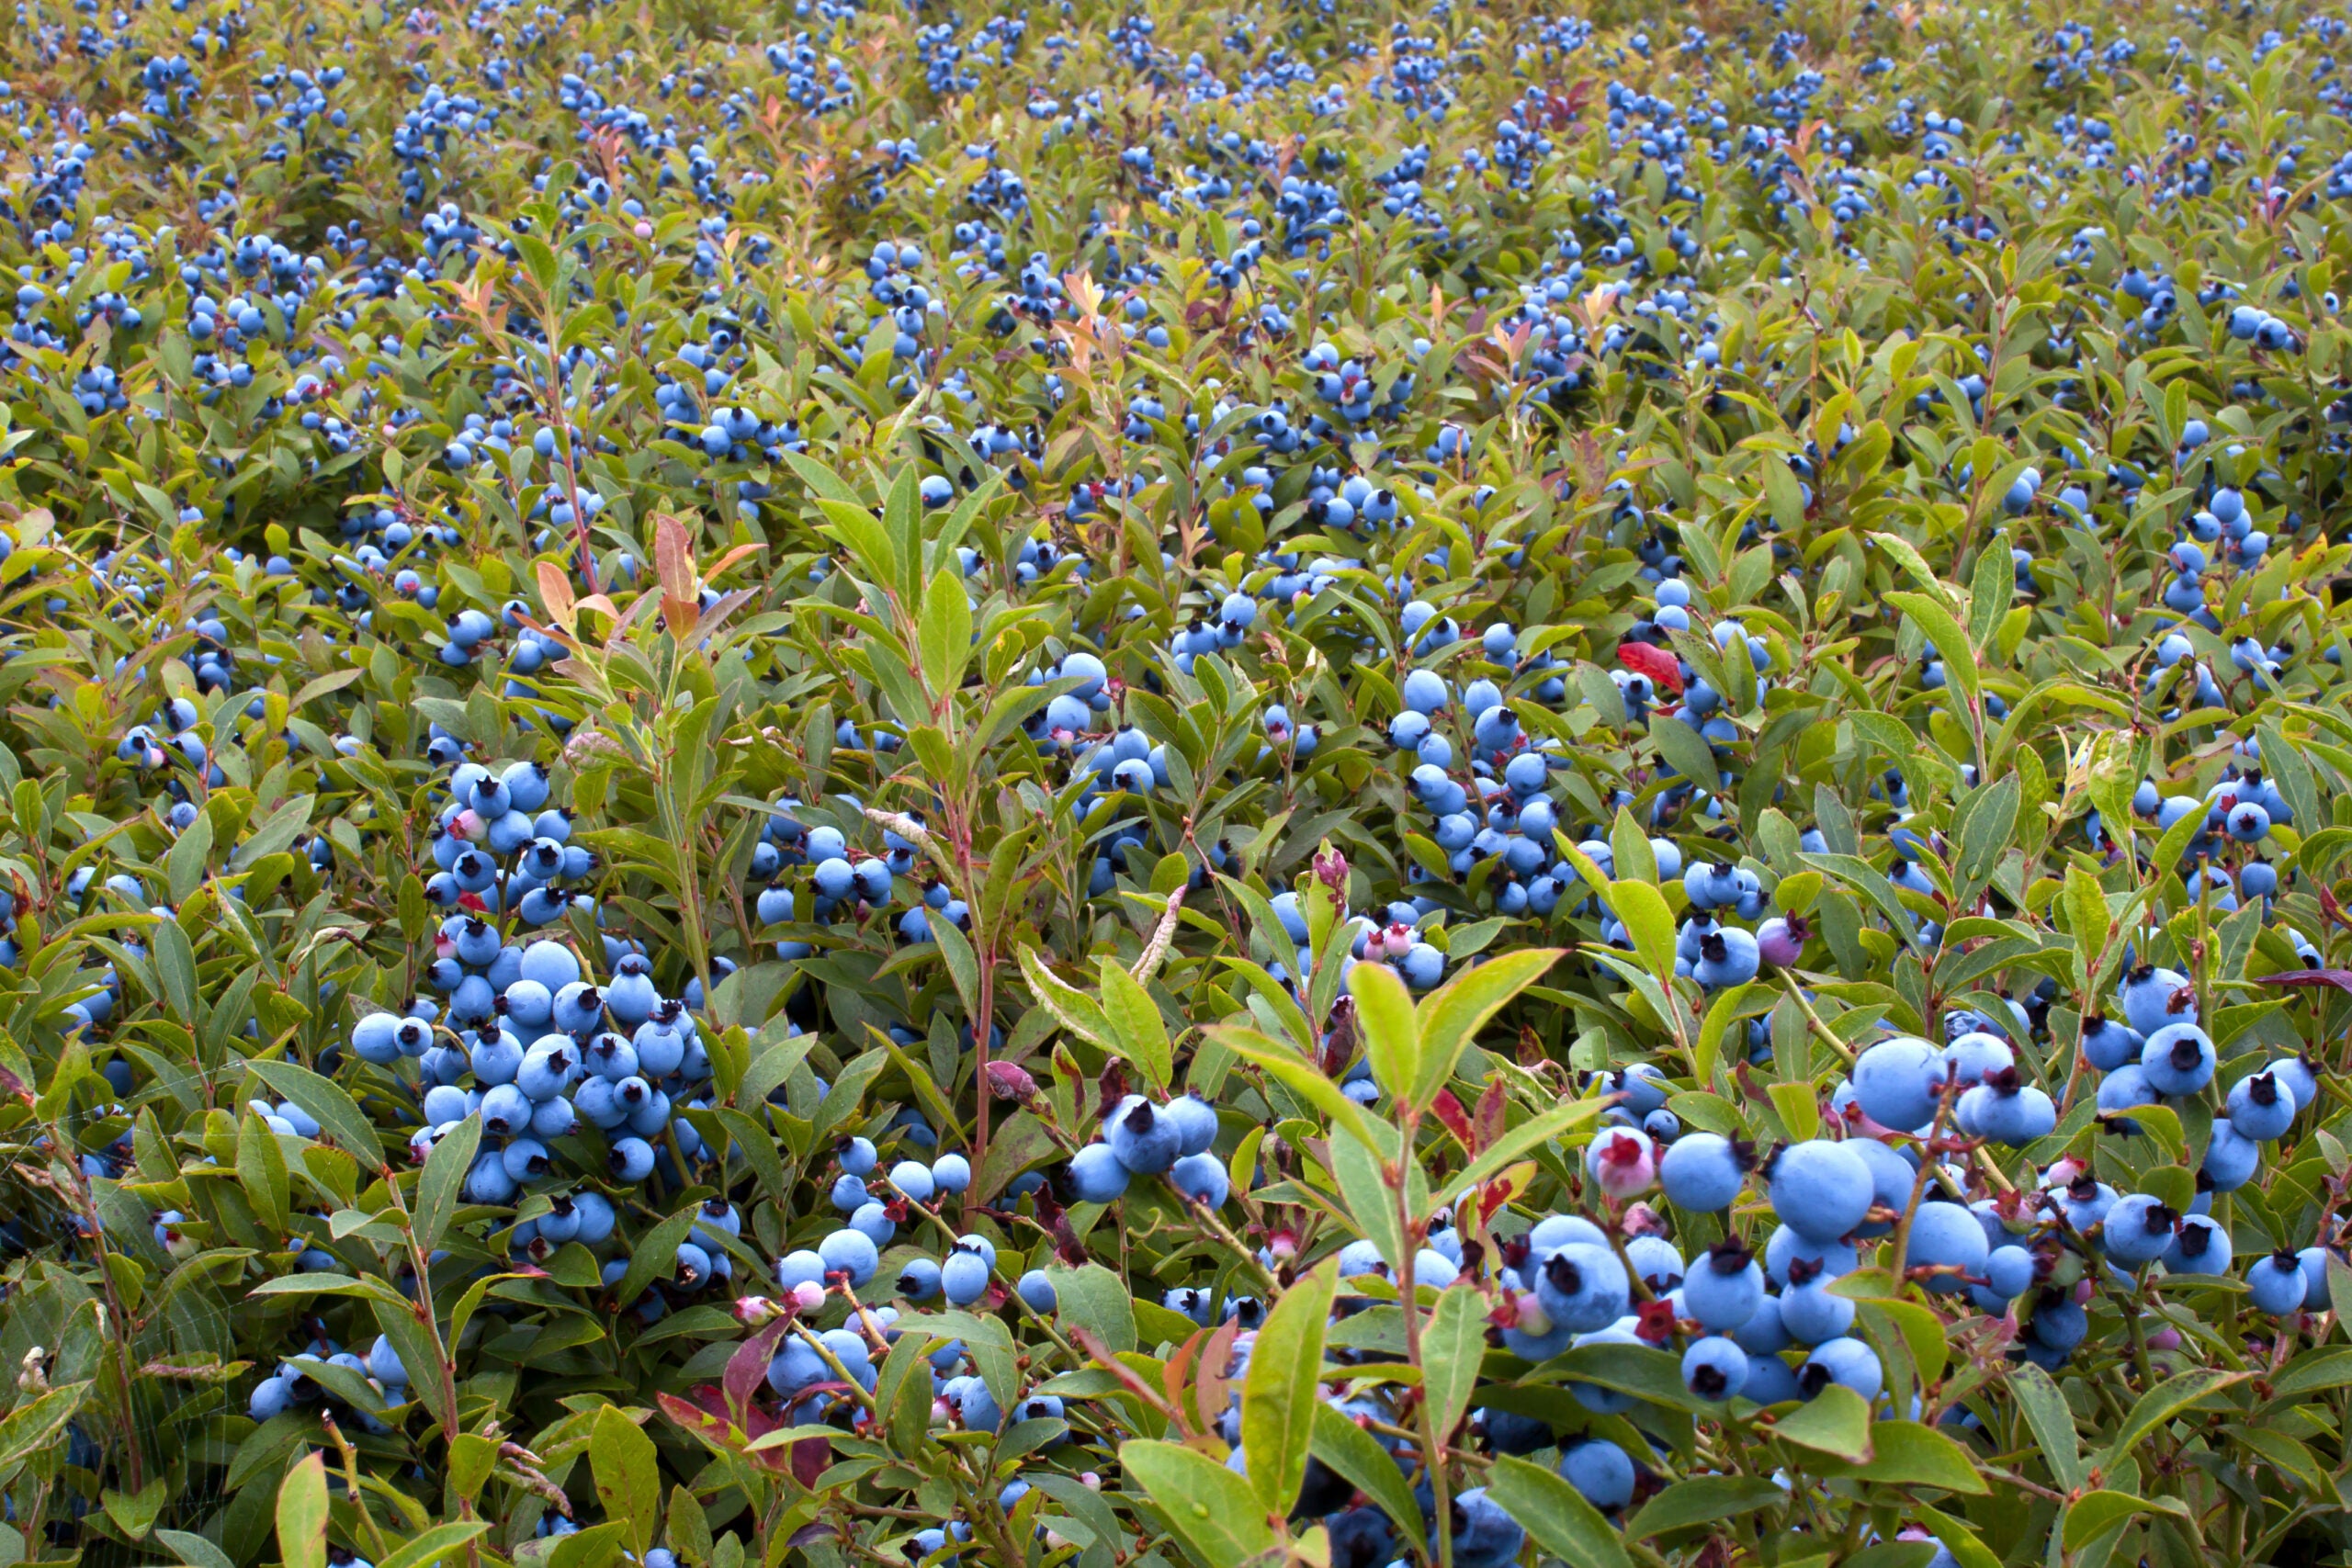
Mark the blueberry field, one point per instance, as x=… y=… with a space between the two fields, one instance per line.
x=836 y=783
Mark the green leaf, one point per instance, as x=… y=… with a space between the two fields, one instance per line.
x=1957 y=1539
x=176 y=972
x=1094 y=1297
x=2094 y=1513
x=2164 y=1402
x=945 y=636
x=2052 y=1422
x=1071 y=1008
x=2315 y=1370
x=629 y=1474
x=771 y=1066
x=398 y=1320
x=1454 y=1343
x=1783 y=496
x=2339 y=1301
x=1141 y=1032
x=1702 y=1500
x=1449 y=1017
x=902 y=1395
x=1358 y=1458
x=1983 y=825
x=1281 y=1389
x=34 y=1425
x=1646 y=1374
x=539 y=259
x=1685 y=750
x=1391 y=1035
x=2088 y=918
x=184 y=865
x=261 y=1170
x=302 y=1515
x=1909 y=1454
x=1647 y=920
x=2297 y=783
x=335 y=1112
x=443 y=1179
x=1837 y=1422
x=1728 y=1006
x=197 y=1552
x=1952 y=643
x=590 y=1548
x=1555 y=1515
x=963 y=964
x=326 y=1284
x=1368 y=1199
x=656 y=1256
x=434 y=1544
x=1213 y=1511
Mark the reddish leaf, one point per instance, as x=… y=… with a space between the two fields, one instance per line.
x=1491 y=1106
x=810 y=1458
x=2339 y=978
x=1663 y=669
x=1457 y=1121
x=1173 y=1376
x=715 y=1431
x=747 y=1369
x=1211 y=1388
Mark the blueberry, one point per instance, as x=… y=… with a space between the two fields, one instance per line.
x=2010 y=1272
x=1723 y=1289
x=852 y=1252
x=1896 y=1082
x=1582 y=1287
x=1097 y=1175
x=950 y=1174
x=1703 y=1171
x=1036 y=1290
x=2137 y=1230
x=1484 y=1535
x=1822 y=1190
x=911 y=1179
x=2261 y=1107
x=1202 y=1179
x=964 y=1278
x=1811 y=1313
x=2155 y=998
x=1714 y=1368
x=1144 y=1138
x=1847 y=1362
x=1600 y=1471
x=2199 y=1246
x=2274 y=1285
x=2178 y=1059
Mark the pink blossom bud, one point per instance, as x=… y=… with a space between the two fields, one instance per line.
x=1623 y=1163
x=1010 y=1081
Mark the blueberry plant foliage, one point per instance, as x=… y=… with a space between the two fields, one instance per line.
x=1116 y=783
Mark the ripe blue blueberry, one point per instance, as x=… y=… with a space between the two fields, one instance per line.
x=1600 y=1471
x=1714 y=1368
x=1703 y=1171
x=1820 y=1189
x=2178 y=1059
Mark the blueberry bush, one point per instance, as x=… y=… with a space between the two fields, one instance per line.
x=1120 y=785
